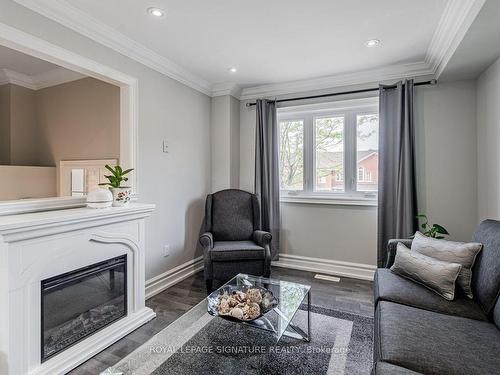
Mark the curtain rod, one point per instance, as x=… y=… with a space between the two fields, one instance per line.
x=431 y=82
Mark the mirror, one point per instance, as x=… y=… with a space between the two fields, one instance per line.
x=58 y=128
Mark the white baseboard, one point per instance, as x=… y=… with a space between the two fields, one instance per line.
x=326 y=266
x=165 y=280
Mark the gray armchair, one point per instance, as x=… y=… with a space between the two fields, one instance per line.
x=233 y=242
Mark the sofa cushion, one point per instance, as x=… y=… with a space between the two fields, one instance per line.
x=433 y=343
x=391 y=287
x=236 y=250
x=384 y=368
x=232 y=215
x=450 y=251
x=496 y=313
x=486 y=270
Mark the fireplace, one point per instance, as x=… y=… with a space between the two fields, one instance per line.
x=77 y=304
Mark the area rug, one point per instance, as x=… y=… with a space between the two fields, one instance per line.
x=197 y=343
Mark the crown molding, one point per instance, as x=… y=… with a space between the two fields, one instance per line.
x=229 y=88
x=81 y=22
x=349 y=79
x=40 y=81
x=15 y=78
x=456 y=19
x=55 y=77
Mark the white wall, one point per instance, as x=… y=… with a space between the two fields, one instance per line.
x=488 y=142
x=176 y=182
x=446 y=175
x=445 y=117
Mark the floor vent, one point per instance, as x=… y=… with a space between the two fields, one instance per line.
x=326 y=277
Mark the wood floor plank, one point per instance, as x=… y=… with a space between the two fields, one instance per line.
x=349 y=295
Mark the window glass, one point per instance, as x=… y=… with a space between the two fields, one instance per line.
x=329 y=154
x=367 y=151
x=291 y=155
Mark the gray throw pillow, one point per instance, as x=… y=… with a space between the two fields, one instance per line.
x=450 y=251
x=434 y=274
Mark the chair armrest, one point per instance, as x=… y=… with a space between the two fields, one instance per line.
x=262 y=238
x=207 y=240
x=392 y=246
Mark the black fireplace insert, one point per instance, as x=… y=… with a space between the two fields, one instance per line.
x=76 y=304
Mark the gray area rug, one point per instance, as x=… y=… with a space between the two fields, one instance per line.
x=197 y=343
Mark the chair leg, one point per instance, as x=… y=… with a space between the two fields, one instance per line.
x=209 y=286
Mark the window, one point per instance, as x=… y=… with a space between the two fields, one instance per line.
x=291 y=153
x=329 y=150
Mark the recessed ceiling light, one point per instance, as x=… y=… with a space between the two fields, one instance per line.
x=373 y=43
x=232 y=70
x=157 y=12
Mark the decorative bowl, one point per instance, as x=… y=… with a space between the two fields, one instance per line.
x=100 y=198
x=268 y=301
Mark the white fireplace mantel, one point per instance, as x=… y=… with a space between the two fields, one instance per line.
x=36 y=246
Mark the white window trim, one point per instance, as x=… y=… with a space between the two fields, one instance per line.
x=307 y=113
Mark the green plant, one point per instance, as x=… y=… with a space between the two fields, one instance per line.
x=117 y=177
x=434 y=230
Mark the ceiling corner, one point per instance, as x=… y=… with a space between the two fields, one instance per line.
x=453 y=25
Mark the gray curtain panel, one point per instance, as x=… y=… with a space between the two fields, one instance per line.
x=397 y=198
x=267 y=186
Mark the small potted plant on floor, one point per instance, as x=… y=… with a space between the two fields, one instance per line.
x=121 y=194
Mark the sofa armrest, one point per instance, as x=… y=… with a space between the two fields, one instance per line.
x=262 y=238
x=207 y=240
x=392 y=247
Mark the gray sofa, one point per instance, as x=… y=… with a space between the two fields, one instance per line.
x=233 y=242
x=417 y=331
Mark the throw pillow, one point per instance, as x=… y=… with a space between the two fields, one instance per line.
x=450 y=251
x=437 y=275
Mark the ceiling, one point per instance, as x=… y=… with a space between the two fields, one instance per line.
x=22 y=63
x=275 y=41
x=479 y=48
x=277 y=46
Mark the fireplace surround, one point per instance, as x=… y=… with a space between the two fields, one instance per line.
x=39 y=252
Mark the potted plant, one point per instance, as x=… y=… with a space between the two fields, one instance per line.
x=434 y=230
x=121 y=194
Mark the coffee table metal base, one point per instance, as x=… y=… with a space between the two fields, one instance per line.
x=292 y=330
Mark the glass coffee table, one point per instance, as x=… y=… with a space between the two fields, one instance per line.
x=290 y=297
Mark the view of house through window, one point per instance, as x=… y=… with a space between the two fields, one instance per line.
x=329 y=150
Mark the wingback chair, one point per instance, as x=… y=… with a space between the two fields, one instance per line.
x=233 y=242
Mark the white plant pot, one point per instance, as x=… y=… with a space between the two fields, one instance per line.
x=121 y=196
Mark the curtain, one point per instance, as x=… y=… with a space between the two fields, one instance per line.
x=397 y=198
x=267 y=171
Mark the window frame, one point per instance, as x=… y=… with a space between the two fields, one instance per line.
x=349 y=109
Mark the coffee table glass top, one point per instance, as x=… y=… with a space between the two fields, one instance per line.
x=290 y=296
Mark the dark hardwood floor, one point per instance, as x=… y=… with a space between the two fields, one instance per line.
x=350 y=295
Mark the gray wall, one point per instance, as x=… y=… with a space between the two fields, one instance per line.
x=225 y=142
x=176 y=182
x=445 y=118
x=446 y=149
x=488 y=138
